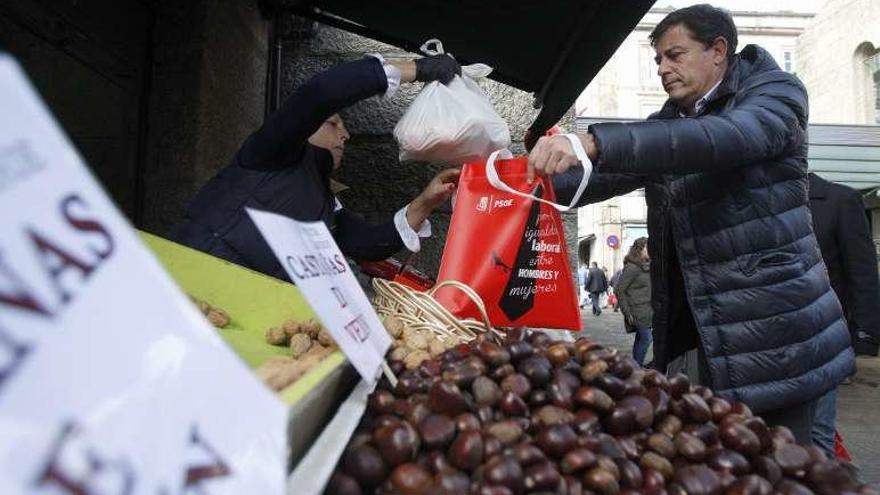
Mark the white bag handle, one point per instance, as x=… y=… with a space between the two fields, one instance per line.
x=474 y=71
x=497 y=183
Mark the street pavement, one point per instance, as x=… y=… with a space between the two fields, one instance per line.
x=858 y=408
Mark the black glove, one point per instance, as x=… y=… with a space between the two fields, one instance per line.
x=437 y=68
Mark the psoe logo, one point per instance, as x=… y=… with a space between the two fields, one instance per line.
x=502 y=203
x=483 y=203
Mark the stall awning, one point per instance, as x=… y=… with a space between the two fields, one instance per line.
x=551 y=48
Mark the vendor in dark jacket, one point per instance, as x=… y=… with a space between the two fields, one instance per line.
x=285 y=166
x=741 y=297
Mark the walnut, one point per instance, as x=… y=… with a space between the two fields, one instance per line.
x=399 y=353
x=325 y=338
x=291 y=328
x=276 y=336
x=414 y=359
x=394 y=326
x=416 y=341
x=435 y=347
x=218 y=317
x=299 y=345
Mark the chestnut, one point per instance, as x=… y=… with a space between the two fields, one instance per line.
x=552 y=415
x=543 y=476
x=601 y=481
x=576 y=460
x=740 y=438
x=513 y=405
x=501 y=372
x=365 y=464
x=613 y=386
x=446 y=398
x=594 y=398
x=662 y=444
x=651 y=460
x=730 y=461
x=436 y=430
x=696 y=408
x=556 y=440
x=592 y=369
x=485 y=391
x=536 y=368
x=466 y=452
x=504 y=471
x=519 y=350
x=518 y=384
x=410 y=479
x=679 y=385
x=585 y=421
x=630 y=474
x=768 y=469
x=690 y=447
x=342 y=484
x=641 y=407
x=466 y=421
x=507 y=432
x=791 y=458
x=397 y=442
x=527 y=454
x=749 y=485
x=621 y=421
x=698 y=480
x=558 y=354
x=492 y=353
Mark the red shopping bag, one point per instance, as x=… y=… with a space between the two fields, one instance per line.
x=510 y=248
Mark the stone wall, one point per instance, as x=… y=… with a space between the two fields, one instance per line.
x=829 y=65
x=379 y=183
x=207 y=96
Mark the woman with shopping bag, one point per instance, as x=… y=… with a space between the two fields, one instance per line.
x=284 y=167
x=633 y=291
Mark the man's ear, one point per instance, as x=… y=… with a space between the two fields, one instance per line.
x=719 y=48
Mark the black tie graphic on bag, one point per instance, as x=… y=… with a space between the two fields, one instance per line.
x=515 y=306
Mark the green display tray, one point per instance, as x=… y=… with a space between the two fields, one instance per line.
x=253 y=301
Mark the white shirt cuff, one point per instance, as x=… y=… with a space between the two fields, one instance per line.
x=411 y=238
x=391 y=72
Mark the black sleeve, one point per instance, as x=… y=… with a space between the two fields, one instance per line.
x=365 y=242
x=859 y=262
x=284 y=133
x=759 y=127
x=601 y=186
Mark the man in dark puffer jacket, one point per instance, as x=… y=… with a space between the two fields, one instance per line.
x=741 y=296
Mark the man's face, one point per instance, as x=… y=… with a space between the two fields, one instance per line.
x=687 y=68
x=331 y=136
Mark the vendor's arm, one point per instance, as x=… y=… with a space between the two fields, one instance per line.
x=362 y=241
x=285 y=132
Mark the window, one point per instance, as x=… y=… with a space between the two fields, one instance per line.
x=788 y=61
x=647 y=67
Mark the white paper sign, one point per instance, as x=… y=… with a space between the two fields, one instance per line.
x=313 y=261
x=111 y=382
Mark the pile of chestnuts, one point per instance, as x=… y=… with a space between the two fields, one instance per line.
x=530 y=415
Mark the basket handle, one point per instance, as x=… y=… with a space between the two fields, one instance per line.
x=472 y=295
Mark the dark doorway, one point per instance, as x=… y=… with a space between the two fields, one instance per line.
x=90 y=63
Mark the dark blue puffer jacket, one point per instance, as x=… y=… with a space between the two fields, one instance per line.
x=727 y=198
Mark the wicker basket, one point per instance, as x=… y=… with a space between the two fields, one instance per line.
x=419 y=310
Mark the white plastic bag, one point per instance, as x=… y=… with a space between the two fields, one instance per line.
x=452 y=123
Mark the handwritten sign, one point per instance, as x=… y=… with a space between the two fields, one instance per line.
x=313 y=261
x=110 y=380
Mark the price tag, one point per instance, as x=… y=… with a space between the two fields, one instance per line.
x=313 y=261
x=110 y=380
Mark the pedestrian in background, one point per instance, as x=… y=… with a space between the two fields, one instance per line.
x=582 y=284
x=848 y=251
x=596 y=285
x=633 y=291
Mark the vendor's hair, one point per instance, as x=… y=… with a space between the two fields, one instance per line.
x=635 y=251
x=705 y=22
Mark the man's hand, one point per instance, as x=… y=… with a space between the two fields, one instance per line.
x=554 y=155
x=437 y=68
x=437 y=192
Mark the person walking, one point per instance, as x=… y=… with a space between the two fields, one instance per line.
x=596 y=285
x=633 y=291
x=848 y=250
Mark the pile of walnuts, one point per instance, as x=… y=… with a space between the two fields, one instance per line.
x=217 y=317
x=300 y=336
x=412 y=346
